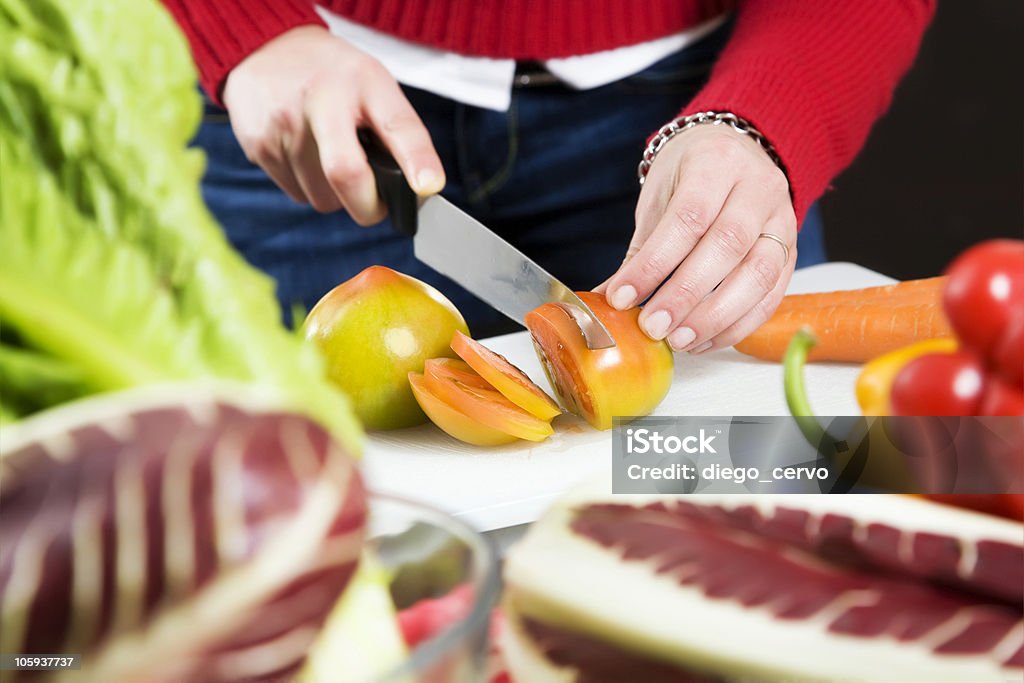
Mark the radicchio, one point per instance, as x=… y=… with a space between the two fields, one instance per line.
x=174 y=536
x=874 y=581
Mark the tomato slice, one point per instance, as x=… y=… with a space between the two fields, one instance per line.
x=512 y=382
x=448 y=380
x=627 y=380
x=452 y=421
x=550 y=329
x=460 y=370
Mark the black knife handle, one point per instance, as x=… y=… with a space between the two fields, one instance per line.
x=392 y=186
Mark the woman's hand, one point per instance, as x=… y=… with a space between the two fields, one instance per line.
x=709 y=194
x=295 y=105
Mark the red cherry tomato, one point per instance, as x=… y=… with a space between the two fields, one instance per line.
x=1008 y=355
x=1013 y=506
x=986 y=283
x=1009 y=505
x=939 y=384
x=1001 y=398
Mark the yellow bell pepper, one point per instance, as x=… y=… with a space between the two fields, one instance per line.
x=875 y=380
x=886 y=468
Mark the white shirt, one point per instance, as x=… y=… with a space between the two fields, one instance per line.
x=486 y=82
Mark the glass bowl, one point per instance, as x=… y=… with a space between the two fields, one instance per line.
x=429 y=553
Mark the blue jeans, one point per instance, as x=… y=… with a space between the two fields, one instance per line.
x=555 y=175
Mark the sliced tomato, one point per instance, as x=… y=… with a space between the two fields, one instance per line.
x=453 y=422
x=512 y=382
x=480 y=402
x=429 y=617
x=460 y=370
x=627 y=380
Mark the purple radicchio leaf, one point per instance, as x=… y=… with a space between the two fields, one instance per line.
x=874 y=581
x=174 y=536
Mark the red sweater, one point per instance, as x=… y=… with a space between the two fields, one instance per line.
x=812 y=75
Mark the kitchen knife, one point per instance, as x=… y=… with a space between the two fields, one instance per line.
x=460 y=247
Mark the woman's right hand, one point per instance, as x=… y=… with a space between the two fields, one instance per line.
x=295 y=105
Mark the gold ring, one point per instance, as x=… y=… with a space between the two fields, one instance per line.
x=776 y=238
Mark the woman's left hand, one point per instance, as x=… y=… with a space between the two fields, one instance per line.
x=709 y=195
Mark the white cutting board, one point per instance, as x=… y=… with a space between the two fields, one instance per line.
x=494 y=488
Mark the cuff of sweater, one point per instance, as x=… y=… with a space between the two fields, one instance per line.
x=786 y=115
x=224 y=33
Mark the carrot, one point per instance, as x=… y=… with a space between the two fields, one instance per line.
x=847 y=331
x=926 y=290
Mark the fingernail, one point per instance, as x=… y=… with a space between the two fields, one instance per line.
x=681 y=338
x=656 y=324
x=623 y=297
x=429 y=181
x=700 y=348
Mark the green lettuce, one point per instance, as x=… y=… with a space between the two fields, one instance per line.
x=113 y=273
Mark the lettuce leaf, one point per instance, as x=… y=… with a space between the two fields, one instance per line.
x=112 y=270
x=32 y=381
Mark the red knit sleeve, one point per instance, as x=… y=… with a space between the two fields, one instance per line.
x=224 y=32
x=813 y=77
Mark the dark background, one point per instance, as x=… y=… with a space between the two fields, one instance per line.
x=945 y=167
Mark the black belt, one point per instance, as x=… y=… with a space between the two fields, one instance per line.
x=534 y=75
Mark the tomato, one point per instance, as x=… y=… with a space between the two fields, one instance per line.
x=1001 y=398
x=373 y=330
x=1013 y=505
x=469 y=408
x=429 y=617
x=1009 y=505
x=939 y=384
x=512 y=382
x=452 y=421
x=1008 y=355
x=480 y=402
x=460 y=370
x=876 y=377
x=627 y=380
x=986 y=284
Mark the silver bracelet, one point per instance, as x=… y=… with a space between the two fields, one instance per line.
x=715 y=118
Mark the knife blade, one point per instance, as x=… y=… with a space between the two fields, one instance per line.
x=458 y=246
